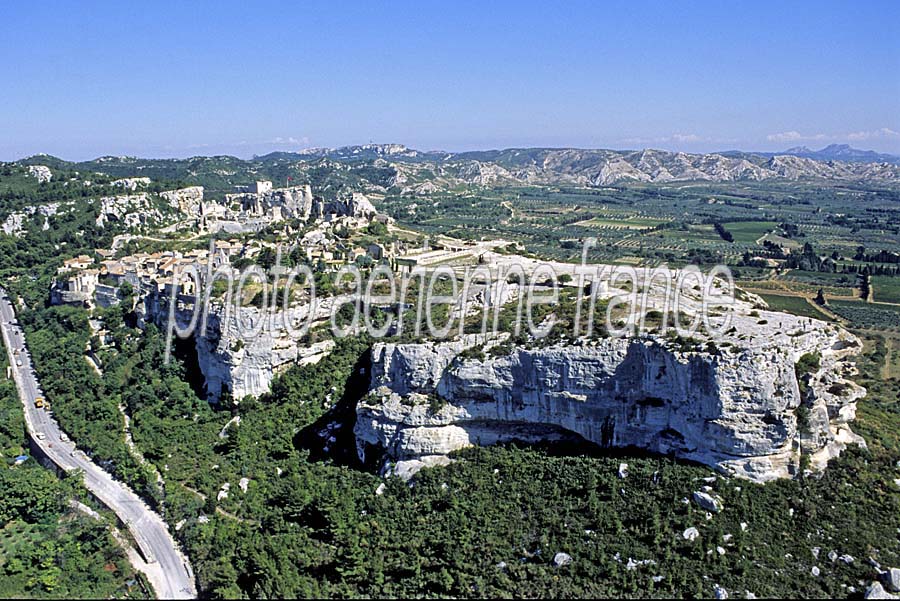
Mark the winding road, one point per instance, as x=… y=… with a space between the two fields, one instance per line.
x=166 y=567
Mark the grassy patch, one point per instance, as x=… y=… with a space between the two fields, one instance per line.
x=797 y=305
x=748 y=232
x=887 y=289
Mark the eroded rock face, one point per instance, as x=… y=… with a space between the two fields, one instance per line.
x=298 y=202
x=241 y=350
x=15 y=223
x=186 y=200
x=139 y=209
x=40 y=172
x=734 y=408
x=295 y=202
x=357 y=205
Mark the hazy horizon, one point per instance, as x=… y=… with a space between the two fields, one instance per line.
x=812 y=148
x=210 y=79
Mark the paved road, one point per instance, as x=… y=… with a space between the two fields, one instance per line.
x=169 y=572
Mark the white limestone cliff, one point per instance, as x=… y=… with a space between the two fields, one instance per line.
x=145 y=209
x=41 y=173
x=294 y=202
x=186 y=200
x=298 y=202
x=356 y=205
x=734 y=408
x=241 y=350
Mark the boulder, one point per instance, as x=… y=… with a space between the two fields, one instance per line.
x=708 y=501
x=562 y=559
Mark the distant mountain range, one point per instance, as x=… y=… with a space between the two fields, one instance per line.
x=832 y=152
x=398 y=168
x=842 y=152
x=599 y=167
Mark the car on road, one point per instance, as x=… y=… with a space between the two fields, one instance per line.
x=63 y=437
x=40 y=436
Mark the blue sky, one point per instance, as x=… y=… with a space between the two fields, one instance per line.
x=85 y=79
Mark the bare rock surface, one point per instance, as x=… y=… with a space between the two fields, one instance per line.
x=733 y=406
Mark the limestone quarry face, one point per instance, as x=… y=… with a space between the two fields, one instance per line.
x=735 y=408
x=357 y=205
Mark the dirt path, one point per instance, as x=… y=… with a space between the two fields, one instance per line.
x=512 y=212
x=125 y=238
x=888 y=351
x=793 y=293
x=759 y=240
x=826 y=311
x=219 y=510
x=778 y=286
x=136 y=453
x=782 y=290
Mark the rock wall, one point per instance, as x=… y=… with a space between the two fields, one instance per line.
x=298 y=202
x=284 y=203
x=15 y=223
x=734 y=408
x=241 y=349
x=139 y=209
x=356 y=205
x=186 y=200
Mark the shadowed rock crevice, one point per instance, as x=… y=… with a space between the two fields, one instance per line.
x=331 y=438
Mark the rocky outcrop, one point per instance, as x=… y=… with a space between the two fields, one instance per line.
x=131 y=210
x=144 y=209
x=15 y=223
x=876 y=591
x=283 y=203
x=186 y=200
x=241 y=349
x=132 y=183
x=734 y=407
x=356 y=205
x=299 y=203
x=41 y=173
